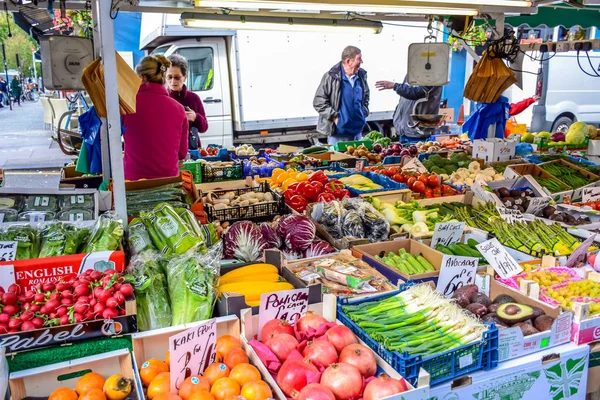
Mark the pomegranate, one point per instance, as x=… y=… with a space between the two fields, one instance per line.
x=341 y=336
x=361 y=357
x=310 y=320
x=282 y=345
x=314 y=391
x=321 y=352
x=344 y=380
x=292 y=375
x=273 y=327
x=383 y=387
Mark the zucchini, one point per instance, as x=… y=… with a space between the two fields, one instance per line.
x=473 y=243
x=315 y=150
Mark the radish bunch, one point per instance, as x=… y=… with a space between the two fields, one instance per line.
x=94 y=295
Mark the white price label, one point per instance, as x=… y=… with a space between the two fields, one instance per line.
x=288 y=305
x=192 y=351
x=456 y=272
x=8 y=251
x=447 y=233
x=37 y=217
x=414 y=165
x=590 y=194
x=360 y=165
x=499 y=259
x=537 y=204
x=478 y=188
x=579 y=253
x=510 y=215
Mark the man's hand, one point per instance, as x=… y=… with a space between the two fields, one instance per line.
x=536 y=98
x=335 y=121
x=191 y=115
x=383 y=85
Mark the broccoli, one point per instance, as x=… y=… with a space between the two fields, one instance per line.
x=450 y=169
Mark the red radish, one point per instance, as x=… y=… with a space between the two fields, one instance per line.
x=67 y=301
x=81 y=290
x=83 y=281
x=53 y=315
x=4 y=318
x=2 y=290
x=9 y=298
x=38 y=322
x=66 y=294
x=62 y=311
x=88 y=316
x=39 y=298
x=3 y=328
x=44 y=310
x=48 y=287
x=15 y=323
x=81 y=307
x=110 y=272
x=35 y=307
x=14 y=288
x=27 y=326
x=344 y=380
x=29 y=295
x=119 y=297
x=315 y=391
x=93 y=302
x=97 y=290
x=361 y=357
x=274 y=327
x=110 y=313
x=117 y=286
x=103 y=296
x=383 y=387
x=122 y=311
x=95 y=275
x=78 y=317
x=112 y=303
x=320 y=352
x=282 y=345
x=341 y=336
x=51 y=306
x=292 y=375
x=55 y=296
x=99 y=309
x=13 y=331
x=310 y=320
x=126 y=289
x=64 y=320
x=27 y=316
x=62 y=286
x=10 y=310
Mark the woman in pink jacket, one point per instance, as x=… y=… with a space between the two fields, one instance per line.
x=156 y=136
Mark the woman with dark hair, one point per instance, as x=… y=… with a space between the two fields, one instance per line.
x=176 y=76
x=156 y=136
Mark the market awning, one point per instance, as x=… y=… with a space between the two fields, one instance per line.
x=563 y=15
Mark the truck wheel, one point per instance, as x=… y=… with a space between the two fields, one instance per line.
x=562 y=124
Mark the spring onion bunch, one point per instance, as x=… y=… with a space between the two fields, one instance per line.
x=417 y=321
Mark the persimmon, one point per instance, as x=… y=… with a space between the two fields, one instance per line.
x=224 y=388
x=148 y=373
x=256 y=390
x=160 y=384
x=117 y=387
x=244 y=373
x=224 y=344
x=93 y=394
x=216 y=371
x=235 y=357
x=192 y=385
x=167 y=396
x=157 y=363
x=89 y=381
x=63 y=394
x=202 y=396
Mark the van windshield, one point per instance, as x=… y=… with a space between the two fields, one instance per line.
x=160 y=50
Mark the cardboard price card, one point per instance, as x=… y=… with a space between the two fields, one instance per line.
x=578 y=255
x=499 y=259
x=510 y=215
x=414 y=165
x=537 y=204
x=192 y=351
x=456 y=272
x=590 y=194
x=447 y=233
x=8 y=251
x=288 y=305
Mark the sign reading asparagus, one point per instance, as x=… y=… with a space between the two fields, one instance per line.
x=499 y=259
x=447 y=233
x=456 y=272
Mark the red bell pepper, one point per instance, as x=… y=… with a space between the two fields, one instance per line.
x=288 y=194
x=326 y=197
x=337 y=188
x=298 y=203
x=319 y=176
x=294 y=186
x=311 y=190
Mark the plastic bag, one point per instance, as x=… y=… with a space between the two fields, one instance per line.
x=192 y=280
x=40 y=203
x=60 y=239
x=139 y=240
x=376 y=226
x=75 y=215
x=26 y=238
x=168 y=231
x=353 y=225
x=8 y=215
x=78 y=201
x=151 y=291
x=190 y=220
x=332 y=218
x=106 y=234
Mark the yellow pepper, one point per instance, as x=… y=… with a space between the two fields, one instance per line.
x=276 y=173
x=282 y=177
x=287 y=183
x=302 y=177
x=292 y=173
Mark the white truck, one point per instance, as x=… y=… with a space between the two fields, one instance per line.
x=258 y=86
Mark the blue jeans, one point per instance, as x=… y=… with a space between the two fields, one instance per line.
x=334 y=139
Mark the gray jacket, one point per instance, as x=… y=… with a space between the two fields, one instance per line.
x=328 y=98
x=408 y=97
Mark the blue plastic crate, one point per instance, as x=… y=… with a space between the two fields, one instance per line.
x=384 y=181
x=392 y=160
x=331 y=167
x=261 y=170
x=442 y=367
x=222 y=155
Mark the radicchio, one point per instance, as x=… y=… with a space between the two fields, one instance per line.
x=297 y=231
x=291 y=255
x=244 y=241
x=271 y=236
x=318 y=248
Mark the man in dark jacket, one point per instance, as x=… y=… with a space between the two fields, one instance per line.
x=408 y=97
x=342 y=99
x=3 y=91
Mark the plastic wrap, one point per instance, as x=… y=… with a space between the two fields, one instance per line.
x=377 y=228
x=151 y=291
x=139 y=240
x=168 y=231
x=40 y=203
x=37 y=216
x=61 y=239
x=11 y=201
x=76 y=215
x=8 y=215
x=106 y=234
x=26 y=238
x=77 y=201
x=190 y=220
x=353 y=225
x=332 y=218
x=192 y=280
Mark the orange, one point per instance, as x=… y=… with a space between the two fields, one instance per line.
x=192 y=385
x=216 y=371
x=235 y=357
x=224 y=344
x=167 y=396
x=202 y=396
x=89 y=381
x=148 y=373
x=168 y=359
x=256 y=390
x=63 y=394
x=157 y=363
x=224 y=388
x=93 y=394
x=160 y=384
x=244 y=373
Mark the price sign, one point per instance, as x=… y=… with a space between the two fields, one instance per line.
x=478 y=188
x=499 y=259
x=510 y=215
x=579 y=253
x=360 y=165
x=414 y=165
x=447 y=233
x=192 y=351
x=590 y=194
x=537 y=204
x=455 y=273
x=8 y=251
x=289 y=305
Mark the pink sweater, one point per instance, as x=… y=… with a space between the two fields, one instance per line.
x=156 y=136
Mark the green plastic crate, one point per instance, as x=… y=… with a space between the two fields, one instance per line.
x=343 y=146
x=195 y=167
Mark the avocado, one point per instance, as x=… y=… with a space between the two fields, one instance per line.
x=510 y=313
x=543 y=323
x=503 y=298
x=504 y=192
x=526 y=329
x=480 y=298
x=515 y=193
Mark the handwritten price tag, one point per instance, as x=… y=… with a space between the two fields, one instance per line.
x=499 y=259
x=579 y=253
x=447 y=233
x=537 y=204
x=510 y=215
x=8 y=251
x=455 y=273
x=414 y=165
x=192 y=351
x=590 y=194
x=289 y=305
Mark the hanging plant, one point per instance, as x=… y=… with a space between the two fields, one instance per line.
x=474 y=36
x=77 y=23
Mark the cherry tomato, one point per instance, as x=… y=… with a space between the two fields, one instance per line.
x=418 y=187
x=424 y=178
x=397 y=178
x=433 y=180
x=428 y=193
x=411 y=181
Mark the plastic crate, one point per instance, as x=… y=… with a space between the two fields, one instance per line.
x=253 y=212
x=222 y=155
x=262 y=171
x=331 y=167
x=209 y=173
x=443 y=366
x=384 y=181
x=343 y=146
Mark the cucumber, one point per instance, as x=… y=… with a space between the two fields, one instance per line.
x=444 y=249
x=472 y=243
x=315 y=150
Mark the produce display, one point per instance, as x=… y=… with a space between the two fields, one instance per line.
x=316 y=188
x=582 y=291
x=36 y=208
x=210 y=151
x=552 y=184
x=568 y=175
x=407 y=263
x=146 y=199
x=466 y=176
x=236 y=199
x=363 y=152
x=437 y=164
x=93 y=386
x=360 y=182
x=468 y=249
x=252 y=281
x=243 y=150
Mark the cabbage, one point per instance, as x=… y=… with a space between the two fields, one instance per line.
x=244 y=241
x=297 y=231
x=577 y=133
x=291 y=255
x=271 y=236
x=318 y=248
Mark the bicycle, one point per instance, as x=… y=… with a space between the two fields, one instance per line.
x=31 y=95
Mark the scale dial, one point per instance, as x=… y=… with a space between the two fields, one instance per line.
x=63 y=60
x=428 y=64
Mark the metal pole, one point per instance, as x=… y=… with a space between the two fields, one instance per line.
x=109 y=61
x=6 y=72
x=33 y=63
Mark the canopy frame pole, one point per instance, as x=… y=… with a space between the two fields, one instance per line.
x=109 y=61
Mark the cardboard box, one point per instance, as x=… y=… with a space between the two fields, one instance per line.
x=345 y=160
x=312 y=211
x=327 y=309
x=41 y=382
x=71 y=177
x=492 y=150
x=594 y=368
x=368 y=252
x=391 y=196
x=518 y=170
x=577 y=193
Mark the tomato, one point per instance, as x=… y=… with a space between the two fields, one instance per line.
x=411 y=181
x=398 y=178
x=418 y=187
x=424 y=178
x=428 y=192
x=590 y=204
x=203 y=153
x=433 y=180
x=598 y=205
x=391 y=171
x=437 y=191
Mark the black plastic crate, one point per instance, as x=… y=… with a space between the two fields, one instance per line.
x=254 y=212
x=209 y=173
